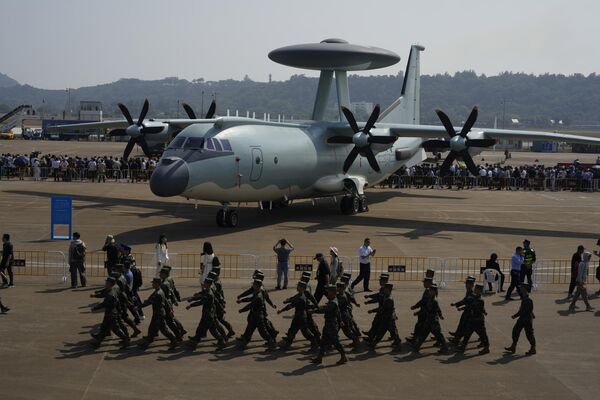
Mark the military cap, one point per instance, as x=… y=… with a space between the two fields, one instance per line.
x=164 y=270
x=470 y=279
x=384 y=275
x=111 y=279
x=259 y=277
x=388 y=286
x=479 y=286
x=209 y=280
x=318 y=255
x=348 y=274
x=331 y=287
x=168 y=268
x=430 y=272
x=345 y=278
x=216 y=268
x=428 y=278
x=212 y=275
x=306 y=273
x=257 y=282
x=340 y=284
x=302 y=284
x=257 y=271
x=156 y=280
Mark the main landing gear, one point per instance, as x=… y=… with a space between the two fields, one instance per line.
x=353 y=204
x=227 y=217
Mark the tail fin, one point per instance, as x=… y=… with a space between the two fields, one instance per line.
x=407 y=108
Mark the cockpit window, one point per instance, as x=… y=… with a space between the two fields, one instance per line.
x=209 y=144
x=177 y=143
x=217 y=145
x=194 y=143
x=226 y=144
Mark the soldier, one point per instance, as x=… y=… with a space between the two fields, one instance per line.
x=431 y=321
x=475 y=322
x=386 y=319
x=173 y=298
x=126 y=300
x=331 y=327
x=312 y=326
x=427 y=282
x=525 y=321
x=345 y=279
x=208 y=321
x=110 y=322
x=300 y=304
x=258 y=274
x=346 y=315
x=217 y=288
x=158 y=322
x=376 y=298
x=462 y=323
x=256 y=316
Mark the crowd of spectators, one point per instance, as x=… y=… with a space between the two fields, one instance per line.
x=72 y=168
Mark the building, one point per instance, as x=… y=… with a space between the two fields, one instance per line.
x=90 y=110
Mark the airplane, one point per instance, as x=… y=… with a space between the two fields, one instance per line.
x=238 y=160
x=151 y=135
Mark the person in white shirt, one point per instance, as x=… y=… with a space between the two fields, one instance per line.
x=207 y=260
x=162 y=253
x=582 y=274
x=365 y=252
x=37 y=171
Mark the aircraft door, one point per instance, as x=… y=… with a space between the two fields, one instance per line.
x=257 y=164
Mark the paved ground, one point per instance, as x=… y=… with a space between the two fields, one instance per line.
x=43 y=351
x=45 y=354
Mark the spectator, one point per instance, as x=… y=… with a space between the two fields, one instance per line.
x=335 y=266
x=162 y=253
x=597 y=253
x=492 y=263
x=575 y=260
x=365 y=252
x=112 y=254
x=7 y=261
x=515 y=271
x=582 y=273
x=322 y=276
x=77 y=252
x=208 y=256
x=282 y=248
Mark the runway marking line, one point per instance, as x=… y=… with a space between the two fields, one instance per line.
x=87 y=388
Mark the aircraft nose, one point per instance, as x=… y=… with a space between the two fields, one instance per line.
x=170 y=178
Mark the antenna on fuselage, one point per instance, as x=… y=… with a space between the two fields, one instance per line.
x=333 y=57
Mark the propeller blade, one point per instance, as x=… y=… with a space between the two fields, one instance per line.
x=372 y=160
x=350 y=159
x=340 y=140
x=446 y=122
x=382 y=139
x=481 y=142
x=117 y=132
x=141 y=141
x=211 y=110
x=350 y=118
x=126 y=113
x=128 y=148
x=436 y=144
x=470 y=122
x=469 y=162
x=445 y=168
x=188 y=110
x=143 y=113
x=151 y=130
x=372 y=119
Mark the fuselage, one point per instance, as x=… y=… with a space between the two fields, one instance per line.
x=234 y=161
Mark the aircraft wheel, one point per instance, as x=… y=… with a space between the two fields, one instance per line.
x=363 y=205
x=346 y=205
x=355 y=203
x=232 y=218
x=221 y=218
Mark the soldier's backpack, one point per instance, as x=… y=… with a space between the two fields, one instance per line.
x=137 y=277
x=79 y=252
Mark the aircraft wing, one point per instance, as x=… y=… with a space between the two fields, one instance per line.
x=433 y=131
x=116 y=124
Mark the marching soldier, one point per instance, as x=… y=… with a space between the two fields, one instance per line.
x=331 y=327
x=524 y=318
x=158 y=322
x=386 y=319
x=217 y=288
x=112 y=314
x=345 y=279
x=376 y=298
x=462 y=323
x=259 y=275
x=256 y=317
x=312 y=325
x=427 y=283
x=208 y=321
x=173 y=298
x=300 y=304
x=431 y=321
x=346 y=315
x=475 y=309
x=125 y=300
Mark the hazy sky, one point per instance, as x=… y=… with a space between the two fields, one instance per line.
x=72 y=43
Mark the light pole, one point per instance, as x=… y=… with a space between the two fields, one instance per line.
x=202 y=106
x=177 y=108
x=503 y=112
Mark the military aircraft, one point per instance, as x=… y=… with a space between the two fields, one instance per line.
x=232 y=160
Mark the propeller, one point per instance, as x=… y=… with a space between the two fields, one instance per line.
x=362 y=139
x=192 y=115
x=459 y=143
x=136 y=130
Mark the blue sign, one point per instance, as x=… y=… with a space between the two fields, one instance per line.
x=61 y=216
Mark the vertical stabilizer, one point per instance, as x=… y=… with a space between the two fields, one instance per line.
x=407 y=108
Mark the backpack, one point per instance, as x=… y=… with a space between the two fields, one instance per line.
x=79 y=252
x=137 y=277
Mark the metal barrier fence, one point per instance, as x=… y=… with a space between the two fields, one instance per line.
x=74 y=174
x=241 y=266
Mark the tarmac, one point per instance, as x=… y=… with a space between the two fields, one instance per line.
x=44 y=351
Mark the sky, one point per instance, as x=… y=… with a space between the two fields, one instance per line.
x=56 y=44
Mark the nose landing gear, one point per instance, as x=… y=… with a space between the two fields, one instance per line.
x=227 y=217
x=354 y=204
